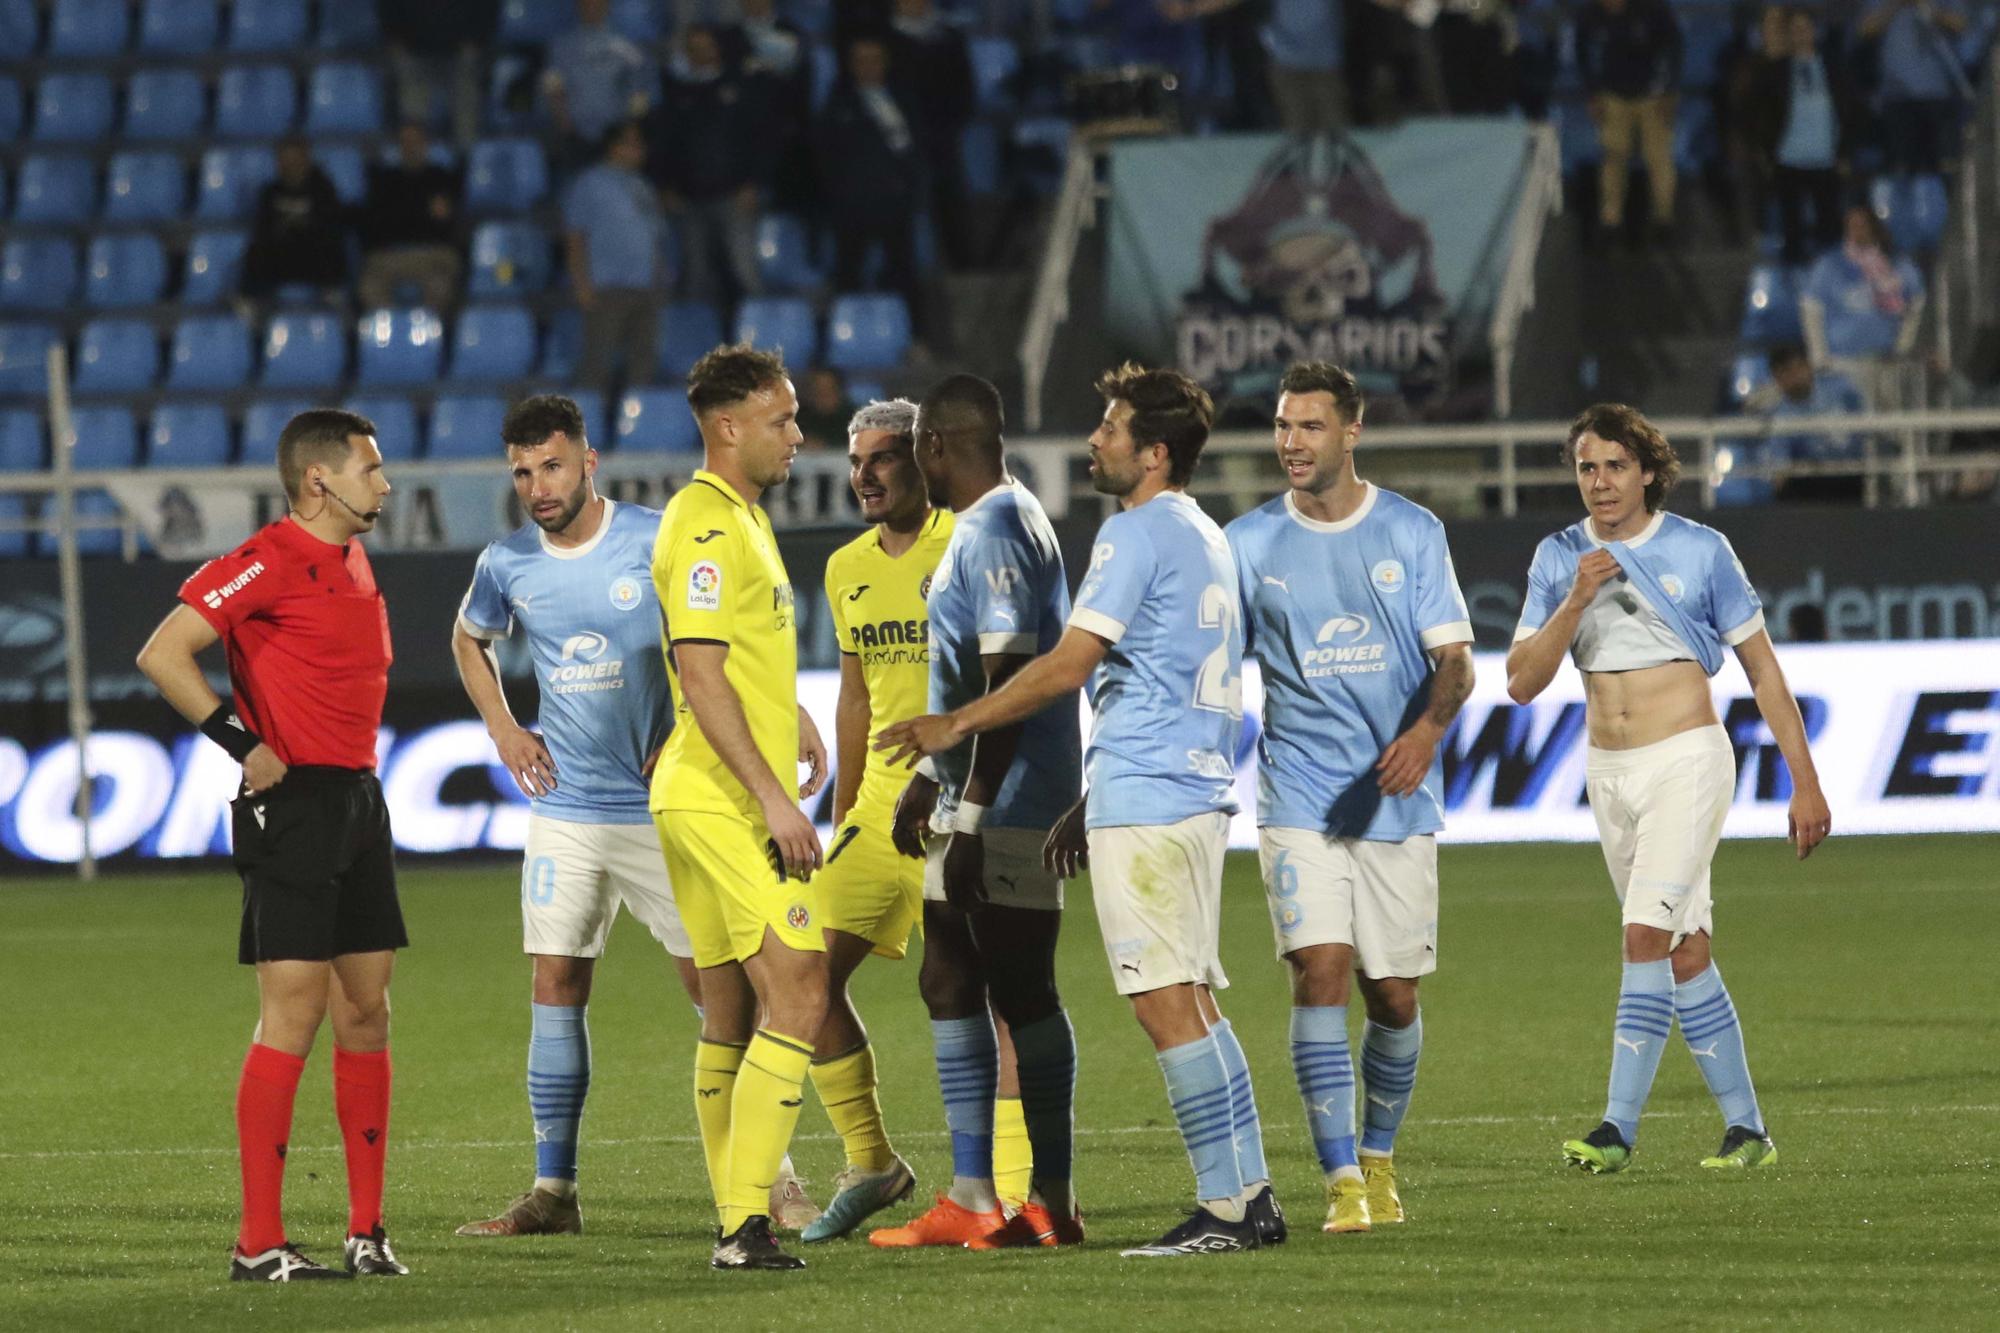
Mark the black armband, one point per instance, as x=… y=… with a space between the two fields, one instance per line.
x=227 y=730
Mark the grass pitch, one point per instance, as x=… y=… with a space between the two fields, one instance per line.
x=1865 y=978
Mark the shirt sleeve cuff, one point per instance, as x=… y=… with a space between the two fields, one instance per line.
x=1747 y=630
x=1437 y=636
x=1526 y=631
x=1096 y=622
x=1005 y=642
x=480 y=631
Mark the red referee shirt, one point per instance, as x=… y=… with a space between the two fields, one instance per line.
x=307 y=634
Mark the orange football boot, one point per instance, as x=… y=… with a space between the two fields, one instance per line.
x=1033 y=1225
x=946 y=1223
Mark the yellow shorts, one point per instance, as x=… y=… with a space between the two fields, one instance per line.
x=868 y=888
x=732 y=894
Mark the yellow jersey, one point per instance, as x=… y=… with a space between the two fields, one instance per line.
x=879 y=615
x=720 y=579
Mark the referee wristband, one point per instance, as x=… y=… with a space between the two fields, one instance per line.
x=968 y=817
x=227 y=730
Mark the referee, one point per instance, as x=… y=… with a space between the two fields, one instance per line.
x=307 y=639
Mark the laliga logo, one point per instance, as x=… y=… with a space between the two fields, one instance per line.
x=1343 y=629
x=588 y=645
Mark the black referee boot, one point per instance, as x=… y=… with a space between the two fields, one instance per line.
x=368 y=1255
x=752 y=1246
x=283 y=1264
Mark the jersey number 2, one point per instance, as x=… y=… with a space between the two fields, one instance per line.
x=1216 y=687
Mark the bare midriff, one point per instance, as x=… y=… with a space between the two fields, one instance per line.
x=1628 y=709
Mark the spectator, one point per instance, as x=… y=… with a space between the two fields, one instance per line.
x=710 y=145
x=1630 y=53
x=1404 y=76
x=614 y=234
x=1750 y=116
x=776 y=62
x=410 y=225
x=1476 y=40
x=1860 y=308
x=300 y=234
x=1307 y=42
x=1814 y=134
x=930 y=70
x=1921 y=84
x=594 y=79
x=1232 y=31
x=874 y=179
x=438 y=43
x=825 y=410
x=1802 y=393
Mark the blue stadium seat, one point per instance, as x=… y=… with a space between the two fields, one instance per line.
x=509 y=259
x=124 y=269
x=401 y=346
x=780 y=322
x=995 y=61
x=505 y=176
x=344 y=98
x=689 y=330
x=395 y=419
x=117 y=356
x=22 y=448
x=19 y=29
x=1770 y=306
x=73 y=108
x=346 y=168
x=105 y=437
x=596 y=426
x=10 y=108
x=273 y=25
x=189 y=435
x=24 y=359
x=304 y=350
x=867 y=332
x=230 y=181
x=15 y=539
x=533 y=22
x=784 y=255
x=210 y=352
x=656 y=421
x=37 y=273
x=263 y=421
x=255 y=101
x=493 y=342
x=562 y=344
x=164 y=104
x=88 y=27
x=55 y=188
x=466 y=427
x=347 y=28
x=145 y=187
x=214 y=265
x=101 y=537
x=178 y=27
x=1913 y=208
x=638 y=20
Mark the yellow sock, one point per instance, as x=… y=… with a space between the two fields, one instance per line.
x=1013 y=1160
x=770 y=1087
x=846 y=1086
x=715 y=1066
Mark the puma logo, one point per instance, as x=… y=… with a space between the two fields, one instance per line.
x=708 y=536
x=1707 y=1053
x=1133 y=968
x=1638 y=1047
x=1282 y=583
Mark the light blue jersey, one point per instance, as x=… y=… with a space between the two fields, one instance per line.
x=1000 y=588
x=1342 y=619
x=593 y=626
x=1169 y=695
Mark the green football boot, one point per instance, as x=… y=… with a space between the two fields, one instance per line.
x=1602 y=1152
x=1742 y=1148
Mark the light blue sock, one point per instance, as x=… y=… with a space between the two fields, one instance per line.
x=1245 y=1127
x=1198 y=1087
x=558 y=1081
x=1388 y=1077
x=1645 y=1017
x=1324 y=1066
x=1045 y=1058
x=1708 y=1024
x=968 y=1062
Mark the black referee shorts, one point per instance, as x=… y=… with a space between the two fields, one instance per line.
x=318 y=868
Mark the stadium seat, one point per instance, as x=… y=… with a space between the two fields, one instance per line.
x=465 y=427
x=688 y=329
x=509 y=259
x=1770 y=307
x=15 y=539
x=656 y=421
x=344 y=98
x=19 y=29
x=263 y=421
x=210 y=352
x=10 y=108
x=178 y=27
x=346 y=168
x=347 y=28
x=21 y=444
x=562 y=345
x=24 y=359
x=37 y=273
x=780 y=322
x=100 y=538
x=995 y=62
x=145 y=187
x=55 y=188
x=214 y=265
x=188 y=435
x=164 y=104
x=304 y=350
x=493 y=342
x=124 y=269
x=505 y=176
x=638 y=20
x=395 y=420
x=784 y=255
x=88 y=27
x=255 y=101
x=273 y=25
x=401 y=346
x=105 y=437
x=117 y=356
x=230 y=181
x=1913 y=208
x=73 y=108
x=533 y=22
x=867 y=332
x=596 y=427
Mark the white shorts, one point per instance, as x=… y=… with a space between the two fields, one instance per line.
x=573 y=876
x=1378 y=898
x=1659 y=812
x=1158 y=889
x=1014 y=873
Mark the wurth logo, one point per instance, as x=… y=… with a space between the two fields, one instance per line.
x=215 y=597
